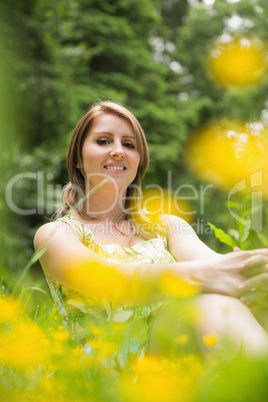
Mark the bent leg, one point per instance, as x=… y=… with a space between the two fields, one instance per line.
x=231 y=321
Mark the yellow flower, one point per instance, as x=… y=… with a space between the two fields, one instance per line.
x=156 y=379
x=210 y=339
x=50 y=386
x=99 y=280
x=10 y=309
x=239 y=62
x=182 y=339
x=156 y=202
x=149 y=363
x=24 y=346
x=178 y=287
x=228 y=151
x=60 y=336
x=104 y=348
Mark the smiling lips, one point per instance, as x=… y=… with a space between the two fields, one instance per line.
x=118 y=168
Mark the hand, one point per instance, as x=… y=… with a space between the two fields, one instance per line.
x=244 y=263
x=254 y=291
x=237 y=249
x=227 y=274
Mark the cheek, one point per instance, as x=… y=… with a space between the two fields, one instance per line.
x=90 y=154
x=136 y=161
x=136 y=158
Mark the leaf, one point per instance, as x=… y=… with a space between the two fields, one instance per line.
x=222 y=236
x=234 y=234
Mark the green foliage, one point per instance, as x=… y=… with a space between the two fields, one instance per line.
x=202 y=27
x=222 y=236
x=149 y=55
x=249 y=229
x=58 y=57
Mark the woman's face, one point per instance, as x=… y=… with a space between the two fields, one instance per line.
x=110 y=150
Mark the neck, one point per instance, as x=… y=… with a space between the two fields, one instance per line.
x=106 y=203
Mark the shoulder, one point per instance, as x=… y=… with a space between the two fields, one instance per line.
x=183 y=242
x=58 y=244
x=176 y=226
x=43 y=232
x=53 y=230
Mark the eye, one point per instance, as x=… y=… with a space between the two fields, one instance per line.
x=102 y=141
x=129 y=145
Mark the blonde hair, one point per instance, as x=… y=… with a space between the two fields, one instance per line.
x=75 y=190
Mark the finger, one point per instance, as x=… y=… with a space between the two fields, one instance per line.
x=250 y=267
x=259 y=282
x=261 y=251
x=237 y=249
x=222 y=284
x=245 y=254
x=256 y=261
x=254 y=298
x=241 y=256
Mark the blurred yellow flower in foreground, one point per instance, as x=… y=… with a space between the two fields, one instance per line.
x=178 y=287
x=151 y=363
x=158 y=201
x=156 y=379
x=98 y=280
x=210 y=339
x=23 y=346
x=60 y=335
x=10 y=309
x=239 y=62
x=228 y=151
x=49 y=387
x=107 y=282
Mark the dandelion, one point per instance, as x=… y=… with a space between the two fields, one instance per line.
x=10 y=309
x=149 y=363
x=156 y=379
x=239 y=62
x=99 y=280
x=228 y=151
x=156 y=202
x=60 y=335
x=24 y=346
x=210 y=339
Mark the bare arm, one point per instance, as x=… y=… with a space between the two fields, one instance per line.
x=69 y=262
x=183 y=243
x=225 y=274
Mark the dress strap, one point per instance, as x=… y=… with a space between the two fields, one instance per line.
x=163 y=234
x=82 y=229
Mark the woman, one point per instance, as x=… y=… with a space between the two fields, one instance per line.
x=104 y=262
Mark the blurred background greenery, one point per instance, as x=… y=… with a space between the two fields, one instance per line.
x=157 y=58
x=194 y=72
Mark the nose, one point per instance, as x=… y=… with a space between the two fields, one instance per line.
x=117 y=152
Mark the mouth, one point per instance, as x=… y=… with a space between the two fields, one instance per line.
x=117 y=168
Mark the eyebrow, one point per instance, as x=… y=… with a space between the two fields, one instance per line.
x=107 y=132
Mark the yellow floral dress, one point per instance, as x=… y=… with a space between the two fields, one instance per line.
x=84 y=315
